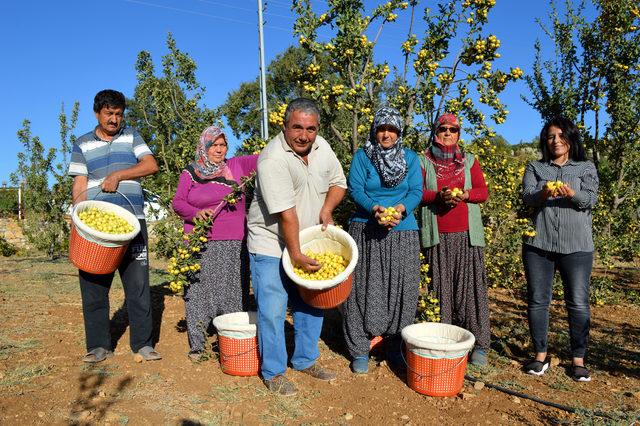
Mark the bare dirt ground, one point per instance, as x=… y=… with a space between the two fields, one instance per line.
x=43 y=381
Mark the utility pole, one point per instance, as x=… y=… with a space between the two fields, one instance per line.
x=263 y=78
x=20 y=200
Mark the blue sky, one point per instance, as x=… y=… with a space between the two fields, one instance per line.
x=61 y=52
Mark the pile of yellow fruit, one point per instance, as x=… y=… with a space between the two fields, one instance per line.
x=388 y=214
x=456 y=191
x=104 y=221
x=332 y=265
x=554 y=186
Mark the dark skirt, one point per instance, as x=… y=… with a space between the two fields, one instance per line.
x=460 y=282
x=385 y=285
x=221 y=287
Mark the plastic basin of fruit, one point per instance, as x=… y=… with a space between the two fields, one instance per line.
x=94 y=251
x=325 y=294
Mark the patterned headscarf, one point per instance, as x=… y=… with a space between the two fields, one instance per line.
x=448 y=159
x=390 y=163
x=202 y=167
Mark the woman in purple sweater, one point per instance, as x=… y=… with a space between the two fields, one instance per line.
x=222 y=285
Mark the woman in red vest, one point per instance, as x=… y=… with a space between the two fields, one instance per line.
x=452 y=234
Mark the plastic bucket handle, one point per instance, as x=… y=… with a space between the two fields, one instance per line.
x=225 y=357
x=117 y=192
x=421 y=376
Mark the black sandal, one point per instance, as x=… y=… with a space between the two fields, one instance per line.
x=97 y=355
x=579 y=373
x=537 y=368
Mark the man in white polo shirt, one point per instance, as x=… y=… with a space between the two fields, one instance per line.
x=299 y=183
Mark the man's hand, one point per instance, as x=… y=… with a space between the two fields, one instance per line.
x=326 y=218
x=110 y=183
x=146 y=166
x=306 y=263
x=333 y=198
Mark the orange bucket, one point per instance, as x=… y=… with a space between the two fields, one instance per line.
x=94 y=251
x=239 y=357
x=327 y=298
x=435 y=377
x=92 y=257
x=436 y=356
x=376 y=344
x=238 y=343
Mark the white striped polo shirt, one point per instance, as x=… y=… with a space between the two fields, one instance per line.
x=97 y=159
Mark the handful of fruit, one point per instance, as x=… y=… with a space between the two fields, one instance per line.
x=332 y=265
x=456 y=191
x=388 y=214
x=554 y=187
x=104 y=221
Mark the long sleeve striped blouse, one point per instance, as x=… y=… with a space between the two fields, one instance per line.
x=563 y=225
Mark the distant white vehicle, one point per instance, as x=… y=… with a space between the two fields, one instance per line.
x=153 y=211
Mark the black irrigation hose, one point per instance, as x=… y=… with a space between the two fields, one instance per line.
x=535 y=399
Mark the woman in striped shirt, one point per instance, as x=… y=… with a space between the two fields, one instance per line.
x=562 y=188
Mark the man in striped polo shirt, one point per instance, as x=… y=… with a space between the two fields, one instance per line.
x=107 y=164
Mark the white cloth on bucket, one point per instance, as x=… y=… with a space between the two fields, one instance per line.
x=237 y=325
x=437 y=340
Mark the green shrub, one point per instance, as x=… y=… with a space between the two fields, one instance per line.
x=8 y=201
x=7 y=249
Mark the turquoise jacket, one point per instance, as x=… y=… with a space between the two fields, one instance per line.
x=367 y=190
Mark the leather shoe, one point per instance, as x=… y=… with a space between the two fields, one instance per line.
x=320 y=373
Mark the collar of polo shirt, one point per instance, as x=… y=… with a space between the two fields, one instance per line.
x=286 y=146
x=114 y=136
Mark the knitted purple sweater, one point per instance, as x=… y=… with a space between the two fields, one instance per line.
x=192 y=196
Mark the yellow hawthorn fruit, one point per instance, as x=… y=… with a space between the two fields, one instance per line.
x=331 y=265
x=105 y=221
x=554 y=186
x=388 y=214
x=456 y=191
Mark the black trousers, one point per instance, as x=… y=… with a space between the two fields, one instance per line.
x=134 y=273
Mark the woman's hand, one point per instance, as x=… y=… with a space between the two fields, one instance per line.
x=461 y=196
x=204 y=214
x=448 y=198
x=566 y=191
x=377 y=214
x=400 y=209
x=443 y=196
x=546 y=192
x=380 y=215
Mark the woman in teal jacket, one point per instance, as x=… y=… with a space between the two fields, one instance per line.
x=385 y=183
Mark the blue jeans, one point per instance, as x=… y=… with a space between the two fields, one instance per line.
x=272 y=289
x=575 y=271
